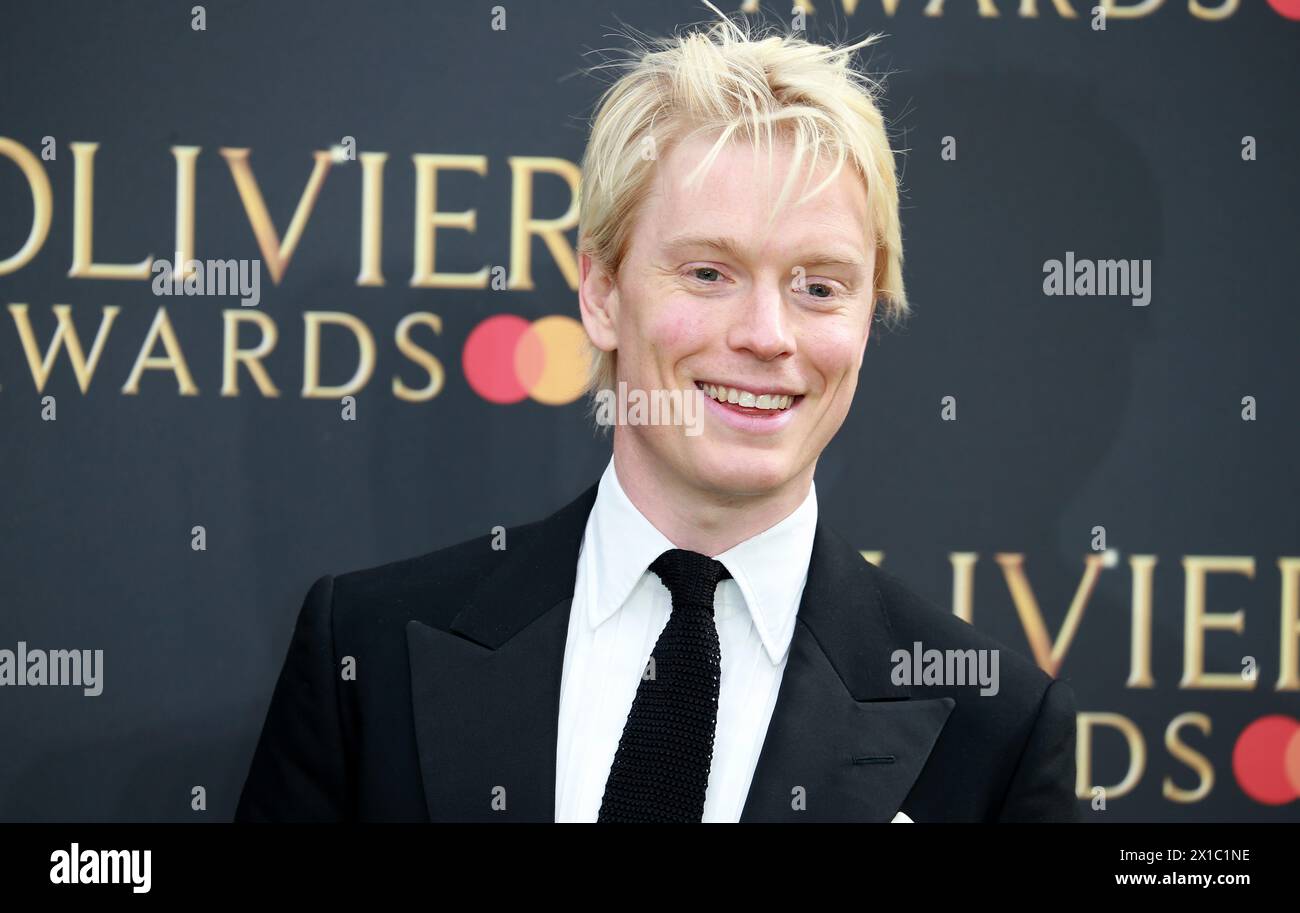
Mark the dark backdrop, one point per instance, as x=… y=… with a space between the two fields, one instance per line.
x=1073 y=412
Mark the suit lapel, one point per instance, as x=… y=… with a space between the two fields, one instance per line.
x=486 y=694
x=844 y=743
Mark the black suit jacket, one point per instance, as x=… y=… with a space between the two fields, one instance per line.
x=458 y=656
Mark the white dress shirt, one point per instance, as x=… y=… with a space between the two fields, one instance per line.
x=620 y=608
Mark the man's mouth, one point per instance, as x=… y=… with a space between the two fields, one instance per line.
x=746 y=401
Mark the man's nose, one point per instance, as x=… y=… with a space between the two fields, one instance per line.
x=762 y=325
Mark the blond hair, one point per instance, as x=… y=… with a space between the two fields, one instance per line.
x=742 y=83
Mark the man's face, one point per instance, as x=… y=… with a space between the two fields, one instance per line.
x=705 y=299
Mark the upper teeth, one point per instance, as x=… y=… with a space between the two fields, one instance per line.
x=746 y=398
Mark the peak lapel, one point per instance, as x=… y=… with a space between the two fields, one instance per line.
x=844 y=741
x=486 y=694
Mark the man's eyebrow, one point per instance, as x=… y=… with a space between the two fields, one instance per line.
x=725 y=245
x=832 y=259
x=729 y=247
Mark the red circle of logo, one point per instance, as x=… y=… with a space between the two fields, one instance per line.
x=1288 y=8
x=492 y=344
x=1266 y=760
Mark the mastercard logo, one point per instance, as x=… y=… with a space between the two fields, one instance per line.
x=508 y=359
x=1266 y=760
x=1288 y=8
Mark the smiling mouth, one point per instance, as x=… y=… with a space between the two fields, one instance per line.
x=749 y=402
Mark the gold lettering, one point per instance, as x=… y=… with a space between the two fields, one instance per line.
x=64 y=335
x=1113 y=10
x=233 y=356
x=38 y=182
x=83 y=225
x=1029 y=9
x=963 y=584
x=1289 y=677
x=1213 y=14
x=428 y=220
x=311 y=388
x=1197 y=621
x=1139 y=673
x=277 y=254
x=1047 y=654
x=372 y=218
x=523 y=226
x=185 y=157
x=420 y=356
x=1189 y=756
x=173 y=360
x=1137 y=752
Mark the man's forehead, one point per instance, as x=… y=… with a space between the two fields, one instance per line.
x=727 y=207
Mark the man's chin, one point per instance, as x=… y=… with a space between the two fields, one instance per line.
x=744 y=476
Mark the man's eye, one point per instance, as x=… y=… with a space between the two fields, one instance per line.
x=706 y=269
x=816 y=289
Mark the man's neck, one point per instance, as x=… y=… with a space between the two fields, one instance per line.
x=704 y=521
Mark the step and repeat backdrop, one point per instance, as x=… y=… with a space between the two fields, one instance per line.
x=1084 y=441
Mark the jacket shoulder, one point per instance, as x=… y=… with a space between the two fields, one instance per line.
x=915 y=619
x=432 y=587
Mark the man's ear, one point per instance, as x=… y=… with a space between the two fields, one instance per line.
x=598 y=303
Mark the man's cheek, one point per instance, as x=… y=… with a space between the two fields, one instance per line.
x=825 y=364
x=679 y=334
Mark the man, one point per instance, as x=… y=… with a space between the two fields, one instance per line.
x=685 y=641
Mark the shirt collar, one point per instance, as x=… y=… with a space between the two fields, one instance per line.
x=770 y=568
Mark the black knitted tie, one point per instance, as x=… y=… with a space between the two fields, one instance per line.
x=661 y=769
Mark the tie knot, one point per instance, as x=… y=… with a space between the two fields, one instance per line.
x=689 y=576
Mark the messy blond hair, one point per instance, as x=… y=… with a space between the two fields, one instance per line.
x=741 y=82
